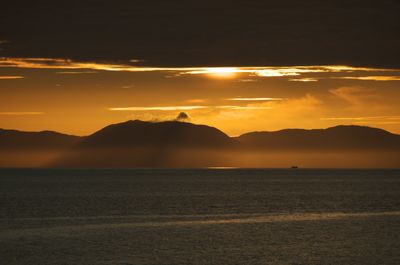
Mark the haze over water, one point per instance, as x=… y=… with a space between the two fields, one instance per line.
x=199 y=216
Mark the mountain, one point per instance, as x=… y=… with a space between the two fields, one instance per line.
x=44 y=140
x=180 y=144
x=171 y=134
x=149 y=144
x=32 y=149
x=341 y=137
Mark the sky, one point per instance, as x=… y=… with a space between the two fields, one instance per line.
x=241 y=66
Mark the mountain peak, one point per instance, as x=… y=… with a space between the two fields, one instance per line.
x=164 y=133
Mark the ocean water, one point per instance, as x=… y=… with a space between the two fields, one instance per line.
x=199 y=216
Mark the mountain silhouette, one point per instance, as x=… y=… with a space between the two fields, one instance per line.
x=181 y=144
x=172 y=134
x=44 y=140
x=349 y=137
x=149 y=144
x=33 y=149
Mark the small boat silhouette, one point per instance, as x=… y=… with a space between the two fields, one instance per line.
x=294 y=167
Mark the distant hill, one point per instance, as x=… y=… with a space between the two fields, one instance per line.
x=335 y=138
x=180 y=144
x=44 y=140
x=33 y=149
x=172 y=134
x=149 y=144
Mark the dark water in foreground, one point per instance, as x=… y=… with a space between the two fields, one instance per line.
x=130 y=217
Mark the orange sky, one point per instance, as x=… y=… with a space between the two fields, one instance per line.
x=82 y=97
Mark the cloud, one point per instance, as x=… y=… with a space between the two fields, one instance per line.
x=303 y=80
x=306 y=104
x=11 y=77
x=368 y=120
x=186 y=108
x=378 y=122
x=280 y=32
x=182 y=116
x=256 y=71
x=152 y=108
x=128 y=86
x=248 y=80
x=298 y=112
x=279 y=72
x=21 y=113
x=196 y=100
x=222 y=72
x=249 y=107
x=76 y=72
x=254 y=99
x=56 y=63
x=356 y=95
x=371 y=78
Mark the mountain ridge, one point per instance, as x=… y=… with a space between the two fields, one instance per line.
x=137 y=143
x=337 y=137
x=10 y=138
x=172 y=121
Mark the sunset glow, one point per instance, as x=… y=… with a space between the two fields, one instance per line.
x=199 y=132
x=219 y=72
x=264 y=97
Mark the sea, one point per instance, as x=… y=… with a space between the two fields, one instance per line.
x=199 y=216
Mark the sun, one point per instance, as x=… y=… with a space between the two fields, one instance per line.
x=221 y=72
x=216 y=72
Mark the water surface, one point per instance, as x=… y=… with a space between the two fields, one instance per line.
x=199 y=216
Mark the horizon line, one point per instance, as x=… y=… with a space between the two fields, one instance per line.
x=199 y=124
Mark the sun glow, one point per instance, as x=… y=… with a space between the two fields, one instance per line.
x=252 y=72
x=218 y=72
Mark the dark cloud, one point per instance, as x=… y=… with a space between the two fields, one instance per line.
x=182 y=116
x=186 y=33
